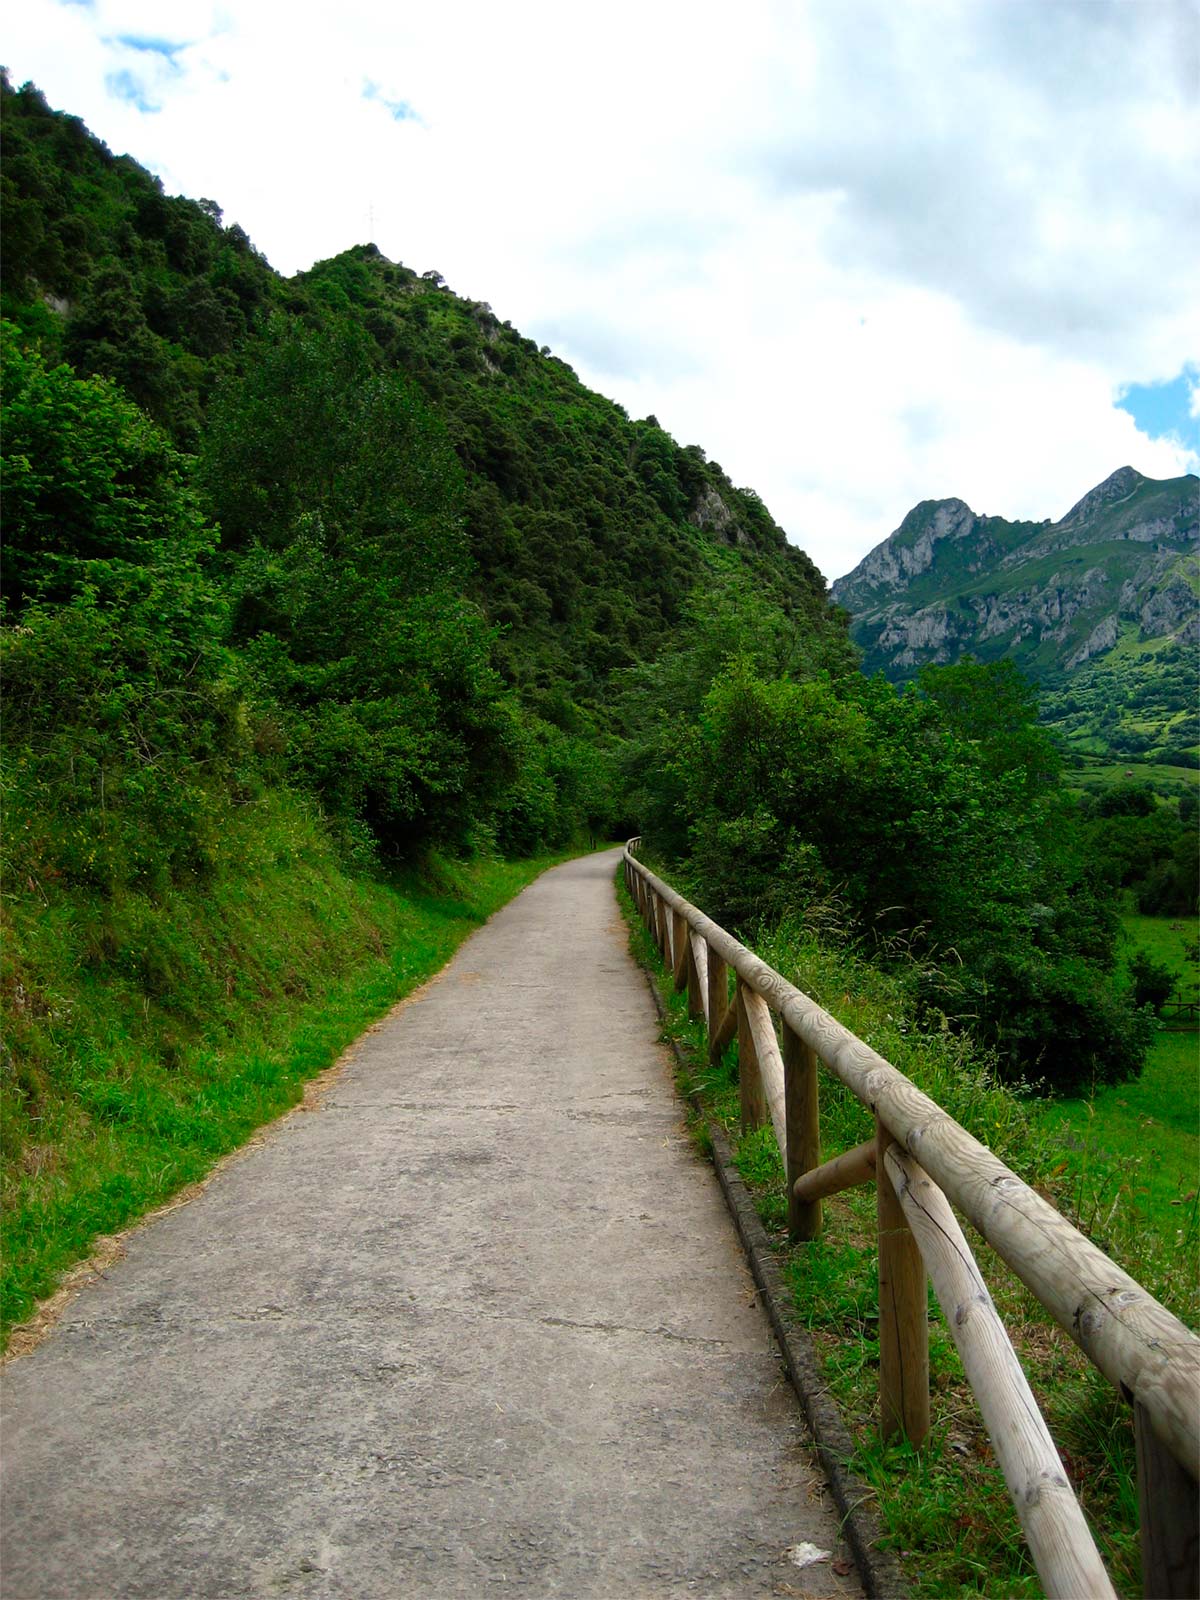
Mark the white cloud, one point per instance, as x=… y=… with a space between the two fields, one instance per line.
x=865 y=253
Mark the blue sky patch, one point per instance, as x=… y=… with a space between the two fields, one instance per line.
x=1163 y=410
x=152 y=45
x=399 y=110
x=126 y=86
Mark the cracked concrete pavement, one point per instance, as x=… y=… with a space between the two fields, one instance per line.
x=477 y=1324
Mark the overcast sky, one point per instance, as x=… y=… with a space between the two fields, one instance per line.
x=865 y=252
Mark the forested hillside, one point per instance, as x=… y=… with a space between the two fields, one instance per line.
x=309 y=582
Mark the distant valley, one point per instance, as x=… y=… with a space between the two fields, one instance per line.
x=1101 y=609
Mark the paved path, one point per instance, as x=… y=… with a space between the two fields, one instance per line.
x=477 y=1325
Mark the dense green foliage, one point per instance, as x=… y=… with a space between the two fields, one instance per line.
x=124 y=721
x=935 y=816
x=588 y=530
x=106 y=270
x=1144 y=846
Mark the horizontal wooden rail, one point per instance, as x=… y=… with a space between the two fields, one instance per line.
x=928 y=1161
x=846 y=1171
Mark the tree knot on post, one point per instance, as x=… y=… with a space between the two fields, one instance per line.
x=963 y=1312
x=1090 y=1321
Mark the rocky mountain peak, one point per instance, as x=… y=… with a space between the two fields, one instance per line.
x=1119 y=485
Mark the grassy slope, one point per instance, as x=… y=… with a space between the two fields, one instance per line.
x=1098 y=774
x=156 y=1037
x=1138 y=1144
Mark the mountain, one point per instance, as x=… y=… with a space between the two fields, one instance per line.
x=587 y=529
x=1100 y=609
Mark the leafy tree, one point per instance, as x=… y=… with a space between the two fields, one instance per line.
x=338 y=498
x=943 y=832
x=125 y=721
x=1153 y=981
x=88 y=481
x=1126 y=800
x=996 y=708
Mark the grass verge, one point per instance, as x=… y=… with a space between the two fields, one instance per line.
x=146 y=1038
x=945 y=1507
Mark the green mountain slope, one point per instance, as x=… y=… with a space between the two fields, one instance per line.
x=1100 y=609
x=587 y=529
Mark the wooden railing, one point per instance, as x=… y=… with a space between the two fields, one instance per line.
x=922 y=1163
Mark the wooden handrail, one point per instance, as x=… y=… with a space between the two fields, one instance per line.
x=1058 y=1537
x=1136 y=1342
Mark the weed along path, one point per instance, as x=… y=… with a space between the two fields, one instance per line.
x=477 y=1323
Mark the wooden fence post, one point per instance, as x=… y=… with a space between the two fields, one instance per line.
x=750 y=1089
x=718 y=1003
x=695 y=987
x=1169 y=1517
x=903 y=1313
x=1060 y=1541
x=679 y=949
x=803 y=1131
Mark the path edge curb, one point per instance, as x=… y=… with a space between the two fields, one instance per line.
x=878 y=1569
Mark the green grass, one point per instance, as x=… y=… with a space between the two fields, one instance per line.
x=945 y=1507
x=1173 y=941
x=146 y=1039
x=1096 y=775
x=1136 y=1146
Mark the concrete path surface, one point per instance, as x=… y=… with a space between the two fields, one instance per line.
x=476 y=1325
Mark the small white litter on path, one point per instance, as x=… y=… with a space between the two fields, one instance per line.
x=805 y=1554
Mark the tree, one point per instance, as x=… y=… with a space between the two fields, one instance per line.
x=940 y=831
x=124 y=719
x=93 y=491
x=338 y=497
x=995 y=707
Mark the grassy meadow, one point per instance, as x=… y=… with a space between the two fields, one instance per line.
x=1136 y=1145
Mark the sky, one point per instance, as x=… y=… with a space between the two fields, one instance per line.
x=864 y=252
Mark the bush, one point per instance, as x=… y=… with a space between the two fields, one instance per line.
x=1153 y=981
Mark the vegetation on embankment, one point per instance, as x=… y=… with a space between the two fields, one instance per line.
x=945 y=1507
x=150 y=1034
